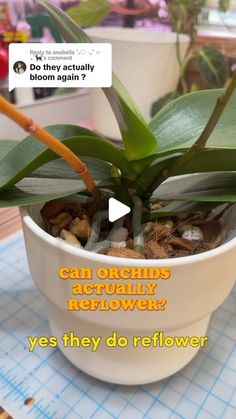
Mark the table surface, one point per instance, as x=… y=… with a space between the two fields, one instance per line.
x=9 y=221
x=204 y=389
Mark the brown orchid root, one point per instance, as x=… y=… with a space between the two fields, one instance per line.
x=51 y=142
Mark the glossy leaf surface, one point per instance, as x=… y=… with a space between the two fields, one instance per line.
x=179 y=124
x=29 y=154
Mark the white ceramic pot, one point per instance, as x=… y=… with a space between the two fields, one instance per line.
x=198 y=285
x=146 y=63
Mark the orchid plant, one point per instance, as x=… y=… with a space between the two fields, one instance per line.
x=194 y=135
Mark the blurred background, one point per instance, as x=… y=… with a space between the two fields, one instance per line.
x=177 y=46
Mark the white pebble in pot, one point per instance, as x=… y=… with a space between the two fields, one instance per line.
x=192 y=234
x=183 y=227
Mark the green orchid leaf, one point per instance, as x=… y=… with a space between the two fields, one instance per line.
x=216 y=187
x=33 y=191
x=179 y=124
x=90 y=12
x=139 y=141
x=205 y=161
x=30 y=154
x=180 y=208
x=148 y=177
x=212 y=65
x=6 y=146
x=59 y=169
x=160 y=103
x=211 y=160
x=56 y=180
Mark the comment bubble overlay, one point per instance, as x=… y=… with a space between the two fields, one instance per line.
x=60 y=65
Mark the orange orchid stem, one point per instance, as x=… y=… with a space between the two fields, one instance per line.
x=51 y=142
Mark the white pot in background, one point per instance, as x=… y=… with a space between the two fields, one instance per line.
x=198 y=285
x=146 y=63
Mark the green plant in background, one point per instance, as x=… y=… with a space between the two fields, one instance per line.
x=183 y=138
x=183 y=18
x=183 y=15
x=224 y=5
x=211 y=63
x=212 y=67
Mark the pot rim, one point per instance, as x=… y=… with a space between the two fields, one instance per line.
x=113 y=260
x=142 y=36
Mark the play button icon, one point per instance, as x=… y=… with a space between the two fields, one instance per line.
x=116 y=210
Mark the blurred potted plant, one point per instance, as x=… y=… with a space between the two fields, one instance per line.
x=209 y=61
x=223 y=5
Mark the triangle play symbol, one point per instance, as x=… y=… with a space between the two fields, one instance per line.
x=117 y=210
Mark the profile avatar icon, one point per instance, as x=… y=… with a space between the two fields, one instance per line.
x=19 y=67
